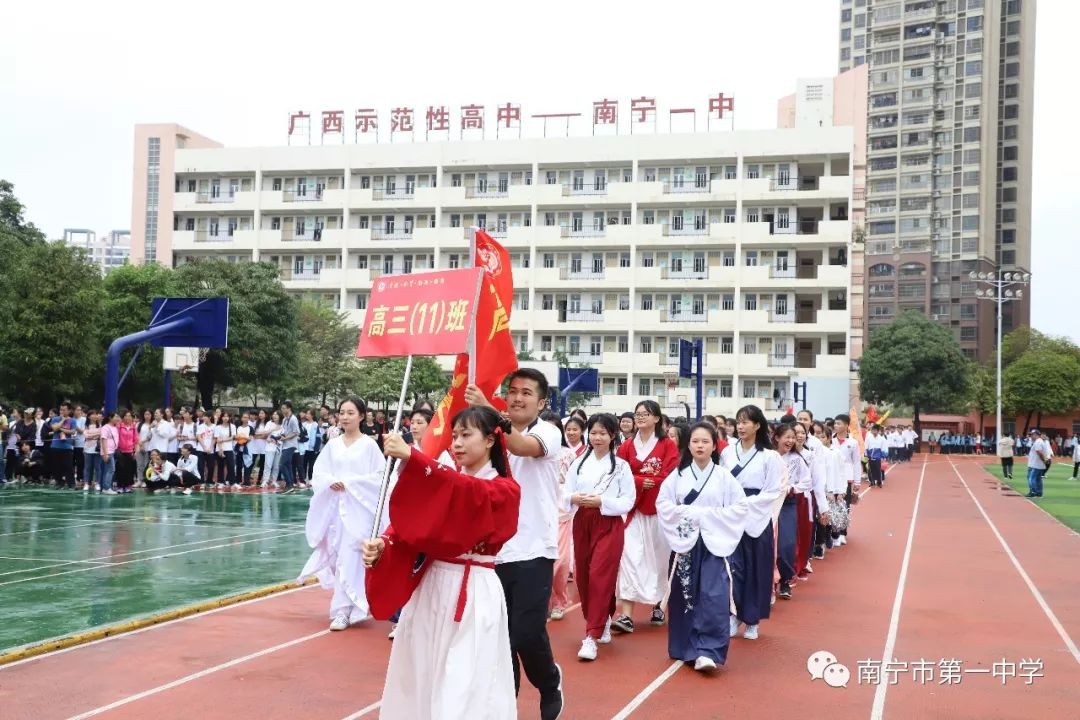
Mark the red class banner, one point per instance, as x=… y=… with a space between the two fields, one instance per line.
x=429 y=313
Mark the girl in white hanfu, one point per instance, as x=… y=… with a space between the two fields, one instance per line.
x=703 y=512
x=347 y=478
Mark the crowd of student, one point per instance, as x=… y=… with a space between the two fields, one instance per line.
x=689 y=520
x=72 y=447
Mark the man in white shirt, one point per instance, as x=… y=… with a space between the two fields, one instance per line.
x=1005 y=452
x=525 y=565
x=852 y=465
x=909 y=443
x=1038 y=462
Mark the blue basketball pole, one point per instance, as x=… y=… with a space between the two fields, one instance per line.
x=112 y=358
x=699 y=350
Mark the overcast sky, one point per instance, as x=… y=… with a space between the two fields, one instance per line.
x=77 y=76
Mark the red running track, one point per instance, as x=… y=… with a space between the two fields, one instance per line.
x=979 y=576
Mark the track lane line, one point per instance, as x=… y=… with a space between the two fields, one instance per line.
x=196 y=675
x=364 y=711
x=1058 y=627
x=877 y=711
x=649 y=690
x=156 y=626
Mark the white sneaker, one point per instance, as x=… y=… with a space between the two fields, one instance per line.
x=704 y=664
x=843 y=539
x=97 y=487
x=340 y=621
x=733 y=626
x=751 y=632
x=588 y=649
x=86 y=487
x=809 y=567
x=605 y=638
x=108 y=492
x=187 y=491
x=393 y=631
x=558 y=614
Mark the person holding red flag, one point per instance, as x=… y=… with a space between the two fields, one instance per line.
x=451 y=656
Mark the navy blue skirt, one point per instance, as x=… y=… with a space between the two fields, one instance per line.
x=702 y=629
x=786 y=538
x=752 y=576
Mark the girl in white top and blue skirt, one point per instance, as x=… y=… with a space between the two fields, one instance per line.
x=702 y=511
x=759 y=471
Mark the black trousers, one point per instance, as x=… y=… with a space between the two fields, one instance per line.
x=876 y=476
x=182 y=479
x=77 y=459
x=63 y=466
x=527 y=586
x=1007 y=466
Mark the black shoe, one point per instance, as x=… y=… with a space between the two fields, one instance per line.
x=1030 y=495
x=785 y=591
x=623 y=623
x=657 y=616
x=551 y=707
x=819 y=553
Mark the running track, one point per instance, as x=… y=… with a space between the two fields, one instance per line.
x=942 y=564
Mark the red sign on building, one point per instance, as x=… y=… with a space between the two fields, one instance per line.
x=331 y=121
x=401 y=120
x=428 y=313
x=367 y=120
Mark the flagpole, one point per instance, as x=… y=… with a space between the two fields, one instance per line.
x=389 y=468
x=472 y=332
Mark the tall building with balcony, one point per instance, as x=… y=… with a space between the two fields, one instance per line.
x=107 y=252
x=949 y=140
x=620 y=245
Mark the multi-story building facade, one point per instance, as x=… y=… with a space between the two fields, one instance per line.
x=949 y=130
x=621 y=245
x=107 y=252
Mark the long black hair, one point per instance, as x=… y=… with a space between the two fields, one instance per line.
x=781 y=430
x=752 y=413
x=486 y=420
x=611 y=425
x=581 y=424
x=551 y=417
x=686 y=458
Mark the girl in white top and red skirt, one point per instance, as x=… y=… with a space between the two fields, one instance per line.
x=573 y=448
x=599 y=492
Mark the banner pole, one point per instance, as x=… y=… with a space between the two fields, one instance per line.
x=472 y=331
x=389 y=468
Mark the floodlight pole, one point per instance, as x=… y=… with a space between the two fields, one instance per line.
x=999 y=281
x=112 y=358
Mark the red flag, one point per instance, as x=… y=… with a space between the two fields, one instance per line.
x=494 y=355
x=493 y=257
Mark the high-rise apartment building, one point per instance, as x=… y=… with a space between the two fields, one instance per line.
x=949 y=130
x=107 y=252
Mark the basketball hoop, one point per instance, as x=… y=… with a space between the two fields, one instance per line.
x=672 y=380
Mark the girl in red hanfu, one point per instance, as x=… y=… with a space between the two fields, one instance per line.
x=451 y=654
x=573 y=447
x=643 y=571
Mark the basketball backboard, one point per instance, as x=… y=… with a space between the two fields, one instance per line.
x=208 y=326
x=586 y=380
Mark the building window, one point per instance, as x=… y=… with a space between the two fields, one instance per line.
x=748 y=388
x=725 y=388
x=624 y=343
x=727 y=345
x=750 y=302
x=646 y=302
x=728 y=301
x=645 y=344
x=361 y=301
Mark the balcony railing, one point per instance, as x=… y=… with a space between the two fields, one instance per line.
x=313 y=195
x=379 y=272
x=683 y=274
x=687 y=186
x=405 y=193
x=804 y=317
x=211 y=197
x=683 y=316
x=208 y=236
x=789 y=271
x=665 y=359
x=808 y=227
x=487 y=191
x=781 y=361
x=384 y=234
x=784 y=183
x=302 y=276
x=584 y=359
x=584 y=316
x=788 y=317
x=583 y=231
x=313 y=236
x=570 y=274
x=695 y=229
x=585 y=189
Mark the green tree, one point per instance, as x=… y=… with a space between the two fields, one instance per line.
x=128 y=294
x=13 y=226
x=982 y=393
x=914 y=361
x=1042 y=380
x=263 y=332
x=326 y=361
x=48 y=342
x=378 y=381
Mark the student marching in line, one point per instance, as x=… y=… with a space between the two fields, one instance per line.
x=599 y=492
x=877 y=448
x=525 y=565
x=814 y=473
x=452 y=654
x=759 y=471
x=703 y=512
x=819 y=473
x=573 y=447
x=347 y=478
x=643 y=570
x=850 y=467
x=788 y=522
